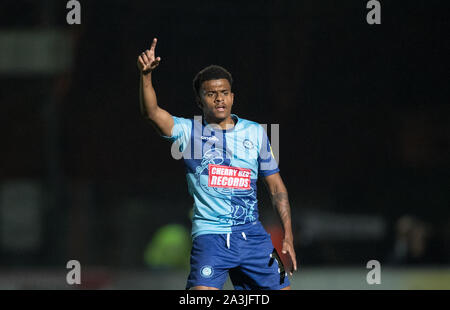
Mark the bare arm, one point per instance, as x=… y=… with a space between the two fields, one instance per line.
x=160 y=118
x=280 y=202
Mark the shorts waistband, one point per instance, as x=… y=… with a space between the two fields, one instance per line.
x=244 y=227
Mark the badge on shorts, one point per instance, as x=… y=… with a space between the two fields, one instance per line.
x=206 y=271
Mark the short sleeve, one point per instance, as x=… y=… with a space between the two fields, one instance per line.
x=267 y=164
x=181 y=132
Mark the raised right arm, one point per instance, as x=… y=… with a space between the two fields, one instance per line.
x=160 y=118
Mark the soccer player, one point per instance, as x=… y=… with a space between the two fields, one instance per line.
x=224 y=155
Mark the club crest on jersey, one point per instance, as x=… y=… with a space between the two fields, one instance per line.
x=229 y=177
x=248 y=144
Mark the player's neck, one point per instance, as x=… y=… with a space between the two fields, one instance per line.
x=224 y=124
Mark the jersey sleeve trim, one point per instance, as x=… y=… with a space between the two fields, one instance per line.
x=266 y=173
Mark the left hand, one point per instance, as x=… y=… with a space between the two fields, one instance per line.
x=288 y=248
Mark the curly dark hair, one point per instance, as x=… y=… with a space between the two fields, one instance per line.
x=212 y=72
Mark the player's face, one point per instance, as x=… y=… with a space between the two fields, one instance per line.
x=216 y=99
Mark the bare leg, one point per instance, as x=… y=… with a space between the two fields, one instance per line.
x=203 y=288
x=214 y=288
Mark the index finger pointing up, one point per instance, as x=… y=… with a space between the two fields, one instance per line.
x=152 y=48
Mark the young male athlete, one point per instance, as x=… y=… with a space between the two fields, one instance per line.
x=224 y=155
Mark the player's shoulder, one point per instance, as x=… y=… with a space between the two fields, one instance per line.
x=182 y=120
x=246 y=123
x=251 y=128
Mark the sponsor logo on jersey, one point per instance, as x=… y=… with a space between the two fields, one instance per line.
x=212 y=138
x=229 y=177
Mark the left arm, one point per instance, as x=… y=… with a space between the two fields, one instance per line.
x=280 y=202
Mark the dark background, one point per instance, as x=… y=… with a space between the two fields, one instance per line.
x=363 y=113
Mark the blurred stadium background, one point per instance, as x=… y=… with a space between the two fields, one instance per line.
x=364 y=137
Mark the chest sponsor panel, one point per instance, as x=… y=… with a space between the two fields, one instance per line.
x=229 y=177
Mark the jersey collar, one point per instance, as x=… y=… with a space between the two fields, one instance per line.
x=233 y=116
